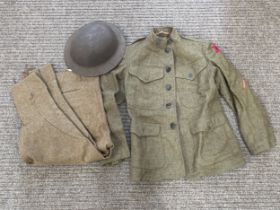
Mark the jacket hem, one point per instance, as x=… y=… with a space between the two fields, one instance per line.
x=211 y=170
x=218 y=169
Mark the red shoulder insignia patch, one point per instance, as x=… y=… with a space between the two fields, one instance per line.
x=214 y=47
x=244 y=83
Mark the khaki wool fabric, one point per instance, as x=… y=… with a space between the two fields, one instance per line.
x=178 y=127
x=63 y=119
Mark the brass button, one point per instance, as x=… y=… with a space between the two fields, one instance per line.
x=172 y=125
x=167 y=49
x=190 y=75
x=168 y=87
x=168 y=105
x=169 y=41
x=168 y=69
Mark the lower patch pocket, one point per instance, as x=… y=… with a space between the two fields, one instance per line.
x=214 y=139
x=147 y=149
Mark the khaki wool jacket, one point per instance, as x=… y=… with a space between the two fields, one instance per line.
x=172 y=87
x=62 y=117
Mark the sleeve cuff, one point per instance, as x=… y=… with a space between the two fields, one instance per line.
x=263 y=148
x=114 y=160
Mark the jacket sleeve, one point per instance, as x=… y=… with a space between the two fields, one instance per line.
x=112 y=88
x=252 y=118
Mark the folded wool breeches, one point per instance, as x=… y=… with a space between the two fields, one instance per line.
x=62 y=118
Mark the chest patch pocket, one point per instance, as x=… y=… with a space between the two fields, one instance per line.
x=145 y=86
x=147 y=149
x=190 y=81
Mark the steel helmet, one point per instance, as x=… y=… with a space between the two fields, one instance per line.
x=94 y=49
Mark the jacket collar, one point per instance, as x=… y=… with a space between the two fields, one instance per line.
x=161 y=37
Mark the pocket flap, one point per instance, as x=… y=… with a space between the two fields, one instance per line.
x=208 y=124
x=144 y=129
x=190 y=70
x=147 y=73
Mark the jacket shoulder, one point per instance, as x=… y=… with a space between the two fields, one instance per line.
x=136 y=43
x=135 y=46
x=196 y=41
x=138 y=40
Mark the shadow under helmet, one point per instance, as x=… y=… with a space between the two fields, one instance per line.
x=94 y=49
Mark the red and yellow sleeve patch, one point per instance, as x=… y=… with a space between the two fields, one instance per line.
x=244 y=83
x=215 y=48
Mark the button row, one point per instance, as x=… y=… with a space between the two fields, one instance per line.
x=168 y=87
